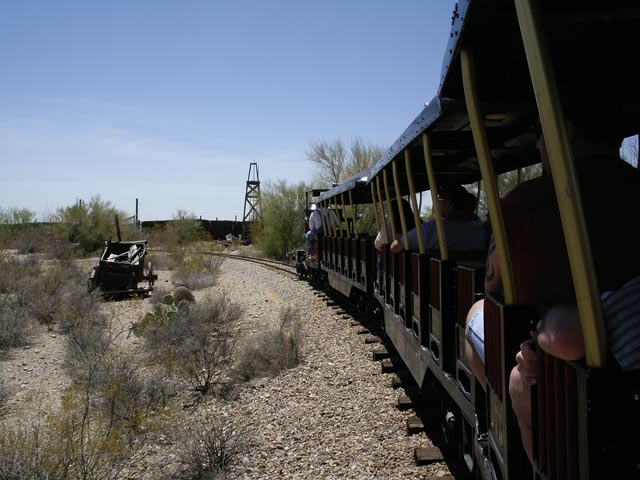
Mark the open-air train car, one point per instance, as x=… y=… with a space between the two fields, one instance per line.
x=507 y=64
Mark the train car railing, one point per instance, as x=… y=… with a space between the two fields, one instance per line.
x=398 y=301
x=441 y=312
x=404 y=303
x=345 y=264
x=447 y=288
x=354 y=260
x=469 y=289
x=337 y=267
x=324 y=254
x=366 y=262
x=419 y=293
x=392 y=275
x=332 y=253
x=505 y=326
x=587 y=421
x=556 y=448
x=383 y=274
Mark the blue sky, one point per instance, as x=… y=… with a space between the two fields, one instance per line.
x=169 y=102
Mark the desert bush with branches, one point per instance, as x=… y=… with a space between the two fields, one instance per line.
x=274 y=349
x=57 y=294
x=91 y=224
x=195 y=339
x=211 y=446
x=15 y=327
x=4 y=397
x=71 y=444
x=198 y=271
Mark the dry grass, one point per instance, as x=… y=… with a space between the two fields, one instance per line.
x=274 y=349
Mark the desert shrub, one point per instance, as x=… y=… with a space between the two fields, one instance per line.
x=81 y=308
x=85 y=349
x=74 y=443
x=156 y=325
x=4 y=398
x=183 y=294
x=193 y=280
x=182 y=230
x=111 y=388
x=196 y=339
x=274 y=349
x=29 y=238
x=91 y=224
x=53 y=296
x=208 y=342
x=126 y=393
x=177 y=254
x=62 y=250
x=211 y=446
x=15 y=328
x=20 y=447
x=17 y=273
x=158 y=293
x=160 y=260
x=282 y=209
x=197 y=271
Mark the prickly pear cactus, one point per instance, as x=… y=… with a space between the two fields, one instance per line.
x=161 y=314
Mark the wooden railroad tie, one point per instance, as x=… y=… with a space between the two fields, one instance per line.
x=414 y=425
x=396 y=382
x=363 y=331
x=355 y=323
x=387 y=365
x=425 y=456
x=380 y=353
x=372 y=339
x=404 y=403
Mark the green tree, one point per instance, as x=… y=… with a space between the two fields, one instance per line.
x=185 y=227
x=334 y=162
x=16 y=216
x=282 y=213
x=89 y=224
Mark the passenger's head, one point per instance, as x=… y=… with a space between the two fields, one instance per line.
x=456 y=202
x=591 y=131
x=406 y=211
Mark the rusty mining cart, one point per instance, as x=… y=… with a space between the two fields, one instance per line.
x=121 y=268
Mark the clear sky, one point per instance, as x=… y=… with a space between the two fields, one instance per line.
x=170 y=101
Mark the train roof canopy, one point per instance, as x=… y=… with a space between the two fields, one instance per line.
x=356 y=184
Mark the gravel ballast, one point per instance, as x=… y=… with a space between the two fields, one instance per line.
x=333 y=416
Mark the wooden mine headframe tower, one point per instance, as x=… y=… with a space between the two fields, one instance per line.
x=251 y=211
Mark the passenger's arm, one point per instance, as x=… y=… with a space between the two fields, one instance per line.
x=560 y=333
x=527 y=362
x=397 y=246
x=380 y=240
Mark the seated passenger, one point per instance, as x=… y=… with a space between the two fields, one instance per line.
x=315 y=220
x=381 y=238
x=535 y=237
x=559 y=334
x=315 y=224
x=462 y=230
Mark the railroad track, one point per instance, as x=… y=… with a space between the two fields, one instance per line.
x=274 y=264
